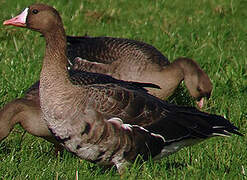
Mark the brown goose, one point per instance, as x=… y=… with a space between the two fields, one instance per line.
x=106 y=50
x=109 y=123
x=102 y=49
x=132 y=60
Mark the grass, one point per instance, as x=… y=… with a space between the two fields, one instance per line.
x=215 y=35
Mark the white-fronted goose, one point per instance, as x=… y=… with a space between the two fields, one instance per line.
x=109 y=123
x=132 y=60
x=106 y=50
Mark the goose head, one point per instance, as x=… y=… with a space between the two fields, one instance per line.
x=38 y=17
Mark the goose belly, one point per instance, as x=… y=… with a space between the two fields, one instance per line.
x=176 y=146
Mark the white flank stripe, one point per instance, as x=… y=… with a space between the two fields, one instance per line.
x=142 y=128
x=158 y=135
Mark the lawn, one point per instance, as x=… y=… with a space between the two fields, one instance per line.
x=215 y=35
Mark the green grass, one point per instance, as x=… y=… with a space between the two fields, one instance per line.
x=215 y=35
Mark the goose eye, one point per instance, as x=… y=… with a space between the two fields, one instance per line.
x=35 y=11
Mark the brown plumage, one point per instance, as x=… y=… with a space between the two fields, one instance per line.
x=109 y=123
x=26 y=112
x=132 y=60
x=108 y=51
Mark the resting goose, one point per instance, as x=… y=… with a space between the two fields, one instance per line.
x=132 y=60
x=108 y=123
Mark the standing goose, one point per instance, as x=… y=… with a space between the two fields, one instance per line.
x=132 y=60
x=104 y=49
x=26 y=111
x=108 y=123
x=108 y=50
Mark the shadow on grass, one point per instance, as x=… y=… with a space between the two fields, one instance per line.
x=175 y=165
x=181 y=97
x=5 y=148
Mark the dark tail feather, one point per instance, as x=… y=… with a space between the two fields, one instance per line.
x=222 y=126
x=210 y=125
x=180 y=128
x=190 y=123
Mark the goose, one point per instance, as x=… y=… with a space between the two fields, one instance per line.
x=82 y=51
x=26 y=111
x=109 y=123
x=132 y=60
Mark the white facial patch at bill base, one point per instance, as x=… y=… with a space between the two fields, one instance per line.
x=19 y=20
x=23 y=16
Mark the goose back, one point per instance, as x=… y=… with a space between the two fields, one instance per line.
x=132 y=60
x=108 y=49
